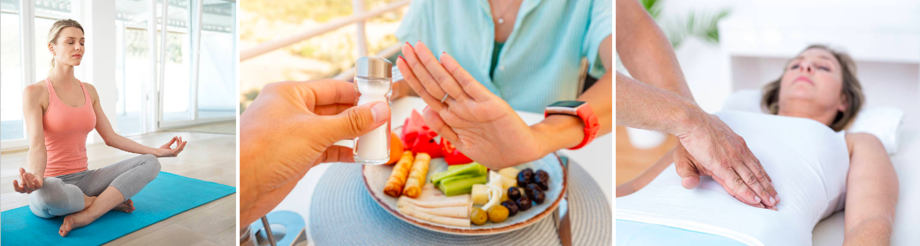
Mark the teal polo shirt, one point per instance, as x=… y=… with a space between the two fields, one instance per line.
x=539 y=62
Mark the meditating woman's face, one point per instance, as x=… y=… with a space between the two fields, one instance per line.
x=811 y=87
x=69 y=47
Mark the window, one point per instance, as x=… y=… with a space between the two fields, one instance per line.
x=132 y=62
x=46 y=13
x=177 y=77
x=216 y=69
x=11 y=124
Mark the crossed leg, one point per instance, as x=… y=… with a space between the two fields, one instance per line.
x=110 y=199
x=115 y=184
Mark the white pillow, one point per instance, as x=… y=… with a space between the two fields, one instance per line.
x=883 y=122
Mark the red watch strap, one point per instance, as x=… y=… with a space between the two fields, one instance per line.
x=591 y=125
x=586 y=114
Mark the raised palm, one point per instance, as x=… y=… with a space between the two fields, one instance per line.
x=480 y=124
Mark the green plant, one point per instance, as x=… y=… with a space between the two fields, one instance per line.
x=703 y=26
x=652 y=7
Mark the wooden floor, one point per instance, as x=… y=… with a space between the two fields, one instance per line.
x=205 y=157
x=222 y=128
x=632 y=161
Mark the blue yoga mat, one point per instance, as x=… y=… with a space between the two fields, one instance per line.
x=164 y=197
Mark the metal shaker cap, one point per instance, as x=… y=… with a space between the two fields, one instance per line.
x=373 y=68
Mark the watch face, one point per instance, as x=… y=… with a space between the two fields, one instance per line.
x=567 y=104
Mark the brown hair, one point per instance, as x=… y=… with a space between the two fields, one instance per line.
x=851 y=91
x=55 y=31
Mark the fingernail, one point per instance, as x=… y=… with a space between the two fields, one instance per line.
x=407 y=43
x=773 y=201
x=756 y=199
x=378 y=111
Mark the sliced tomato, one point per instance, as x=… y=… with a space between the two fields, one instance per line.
x=451 y=155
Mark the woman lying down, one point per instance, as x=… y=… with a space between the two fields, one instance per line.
x=816 y=167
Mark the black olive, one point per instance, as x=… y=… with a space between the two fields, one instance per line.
x=511 y=206
x=543 y=183
x=538 y=196
x=541 y=177
x=530 y=189
x=523 y=203
x=524 y=178
x=514 y=193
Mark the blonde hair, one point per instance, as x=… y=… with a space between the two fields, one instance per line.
x=55 y=32
x=851 y=91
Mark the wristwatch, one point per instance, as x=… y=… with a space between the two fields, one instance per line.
x=578 y=109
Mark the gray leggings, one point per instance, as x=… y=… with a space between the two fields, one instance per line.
x=63 y=194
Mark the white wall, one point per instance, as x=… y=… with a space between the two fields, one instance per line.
x=890 y=28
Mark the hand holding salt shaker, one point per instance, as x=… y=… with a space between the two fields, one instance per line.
x=373 y=81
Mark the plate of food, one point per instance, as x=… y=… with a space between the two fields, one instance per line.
x=466 y=199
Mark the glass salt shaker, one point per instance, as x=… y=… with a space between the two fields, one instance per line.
x=373 y=81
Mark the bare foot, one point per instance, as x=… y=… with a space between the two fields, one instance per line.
x=127 y=206
x=72 y=221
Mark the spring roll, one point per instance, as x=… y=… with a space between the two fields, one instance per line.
x=417 y=176
x=398 y=177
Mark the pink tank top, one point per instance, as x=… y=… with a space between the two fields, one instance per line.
x=65 y=129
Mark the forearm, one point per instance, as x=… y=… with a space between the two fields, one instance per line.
x=646 y=52
x=869 y=231
x=872 y=194
x=249 y=158
x=123 y=143
x=38 y=160
x=563 y=131
x=643 y=106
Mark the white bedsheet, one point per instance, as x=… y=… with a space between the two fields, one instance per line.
x=807 y=161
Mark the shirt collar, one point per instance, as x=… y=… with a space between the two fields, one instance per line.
x=526 y=7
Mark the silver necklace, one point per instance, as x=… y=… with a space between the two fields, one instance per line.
x=501 y=17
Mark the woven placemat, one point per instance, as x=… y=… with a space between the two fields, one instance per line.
x=343 y=213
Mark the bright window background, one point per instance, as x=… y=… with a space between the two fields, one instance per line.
x=177 y=79
x=217 y=77
x=132 y=64
x=217 y=94
x=11 y=126
x=46 y=13
x=323 y=56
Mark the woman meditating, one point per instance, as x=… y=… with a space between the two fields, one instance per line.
x=817 y=167
x=59 y=113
